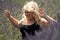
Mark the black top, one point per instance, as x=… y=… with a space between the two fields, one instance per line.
x=29 y=29
x=36 y=32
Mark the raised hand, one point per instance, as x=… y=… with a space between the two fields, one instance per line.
x=42 y=12
x=7 y=12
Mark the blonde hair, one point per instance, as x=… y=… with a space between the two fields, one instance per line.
x=32 y=7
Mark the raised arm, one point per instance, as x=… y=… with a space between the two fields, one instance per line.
x=50 y=19
x=14 y=21
x=44 y=15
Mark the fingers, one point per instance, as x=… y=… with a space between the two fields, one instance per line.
x=7 y=12
x=41 y=10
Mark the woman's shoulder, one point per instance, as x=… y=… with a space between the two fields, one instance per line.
x=43 y=22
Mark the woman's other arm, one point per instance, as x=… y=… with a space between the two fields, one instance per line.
x=43 y=14
x=50 y=19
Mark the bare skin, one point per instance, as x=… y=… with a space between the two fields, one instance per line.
x=27 y=20
x=43 y=14
x=14 y=21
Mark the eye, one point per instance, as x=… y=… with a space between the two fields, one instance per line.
x=27 y=12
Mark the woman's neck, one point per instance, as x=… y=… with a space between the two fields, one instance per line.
x=30 y=20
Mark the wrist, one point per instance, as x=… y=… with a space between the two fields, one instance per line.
x=44 y=16
x=9 y=16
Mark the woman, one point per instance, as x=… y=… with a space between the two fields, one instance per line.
x=32 y=25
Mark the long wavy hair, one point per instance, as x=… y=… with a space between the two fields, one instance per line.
x=32 y=7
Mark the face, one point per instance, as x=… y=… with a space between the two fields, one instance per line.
x=29 y=15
